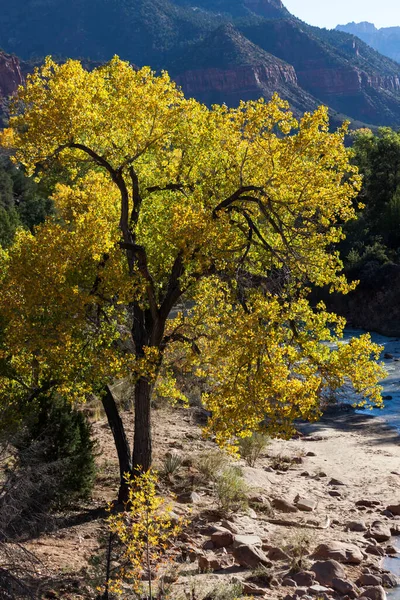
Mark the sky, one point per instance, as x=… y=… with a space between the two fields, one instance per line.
x=325 y=13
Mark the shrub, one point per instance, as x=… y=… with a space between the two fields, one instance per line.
x=171 y=463
x=212 y=463
x=231 y=490
x=59 y=436
x=250 y=448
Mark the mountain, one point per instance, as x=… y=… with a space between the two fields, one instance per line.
x=227 y=67
x=335 y=67
x=385 y=40
x=217 y=50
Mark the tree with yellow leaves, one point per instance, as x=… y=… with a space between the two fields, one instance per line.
x=178 y=229
x=145 y=530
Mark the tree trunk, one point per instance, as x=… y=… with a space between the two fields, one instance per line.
x=142 y=444
x=120 y=440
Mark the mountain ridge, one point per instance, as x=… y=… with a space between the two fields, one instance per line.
x=217 y=50
x=385 y=40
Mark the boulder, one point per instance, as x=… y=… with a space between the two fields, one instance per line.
x=356 y=526
x=341 y=551
x=375 y=593
x=211 y=562
x=394 y=509
x=289 y=582
x=367 y=503
x=328 y=570
x=275 y=553
x=368 y=579
x=379 y=531
x=230 y=526
x=247 y=540
x=318 y=590
x=390 y=580
x=334 y=481
x=391 y=550
x=375 y=550
x=250 y=557
x=305 y=504
x=252 y=590
x=284 y=506
x=344 y=587
x=222 y=539
x=303 y=578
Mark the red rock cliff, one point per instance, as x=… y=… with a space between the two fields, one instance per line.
x=10 y=75
x=240 y=80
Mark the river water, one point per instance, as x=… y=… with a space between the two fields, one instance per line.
x=391 y=385
x=390 y=412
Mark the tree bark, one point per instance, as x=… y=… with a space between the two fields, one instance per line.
x=142 y=444
x=120 y=440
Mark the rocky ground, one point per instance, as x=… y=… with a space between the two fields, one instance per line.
x=324 y=511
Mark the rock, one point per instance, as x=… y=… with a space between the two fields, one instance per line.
x=230 y=526
x=305 y=504
x=250 y=557
x=328 y=570
x=311 y=454
x=367 y=503
x=222 y=539
x=356 y=526
x=211 y=562
x=387 y=355
x=289 y=582
x=252 y=590
x=379 y=532
x=340 y=551
x=391 y=550
x=275 y=553
x=318 y=590
x=284 y=506
x=368 y=579
x=395 y=530
x=303 y=578
x=344 y=587
x=375 y=593
x=247 y=540
x=251 y=513
x=335 y=493
x=390 y=580
x=189 y=498
x=334 y=481
x=394 y=509
x=375 y=550
x=208 y=545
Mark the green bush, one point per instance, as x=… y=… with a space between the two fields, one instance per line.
x=59 y=436
x=211 y=463
x=231 y=490
x=250 y=448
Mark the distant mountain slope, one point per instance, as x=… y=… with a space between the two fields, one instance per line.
x=385 y=40
x=218 y=50
x=227 y=67
x=335 y=67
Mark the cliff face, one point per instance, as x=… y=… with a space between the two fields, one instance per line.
x=10 y=74
x=10 y=78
